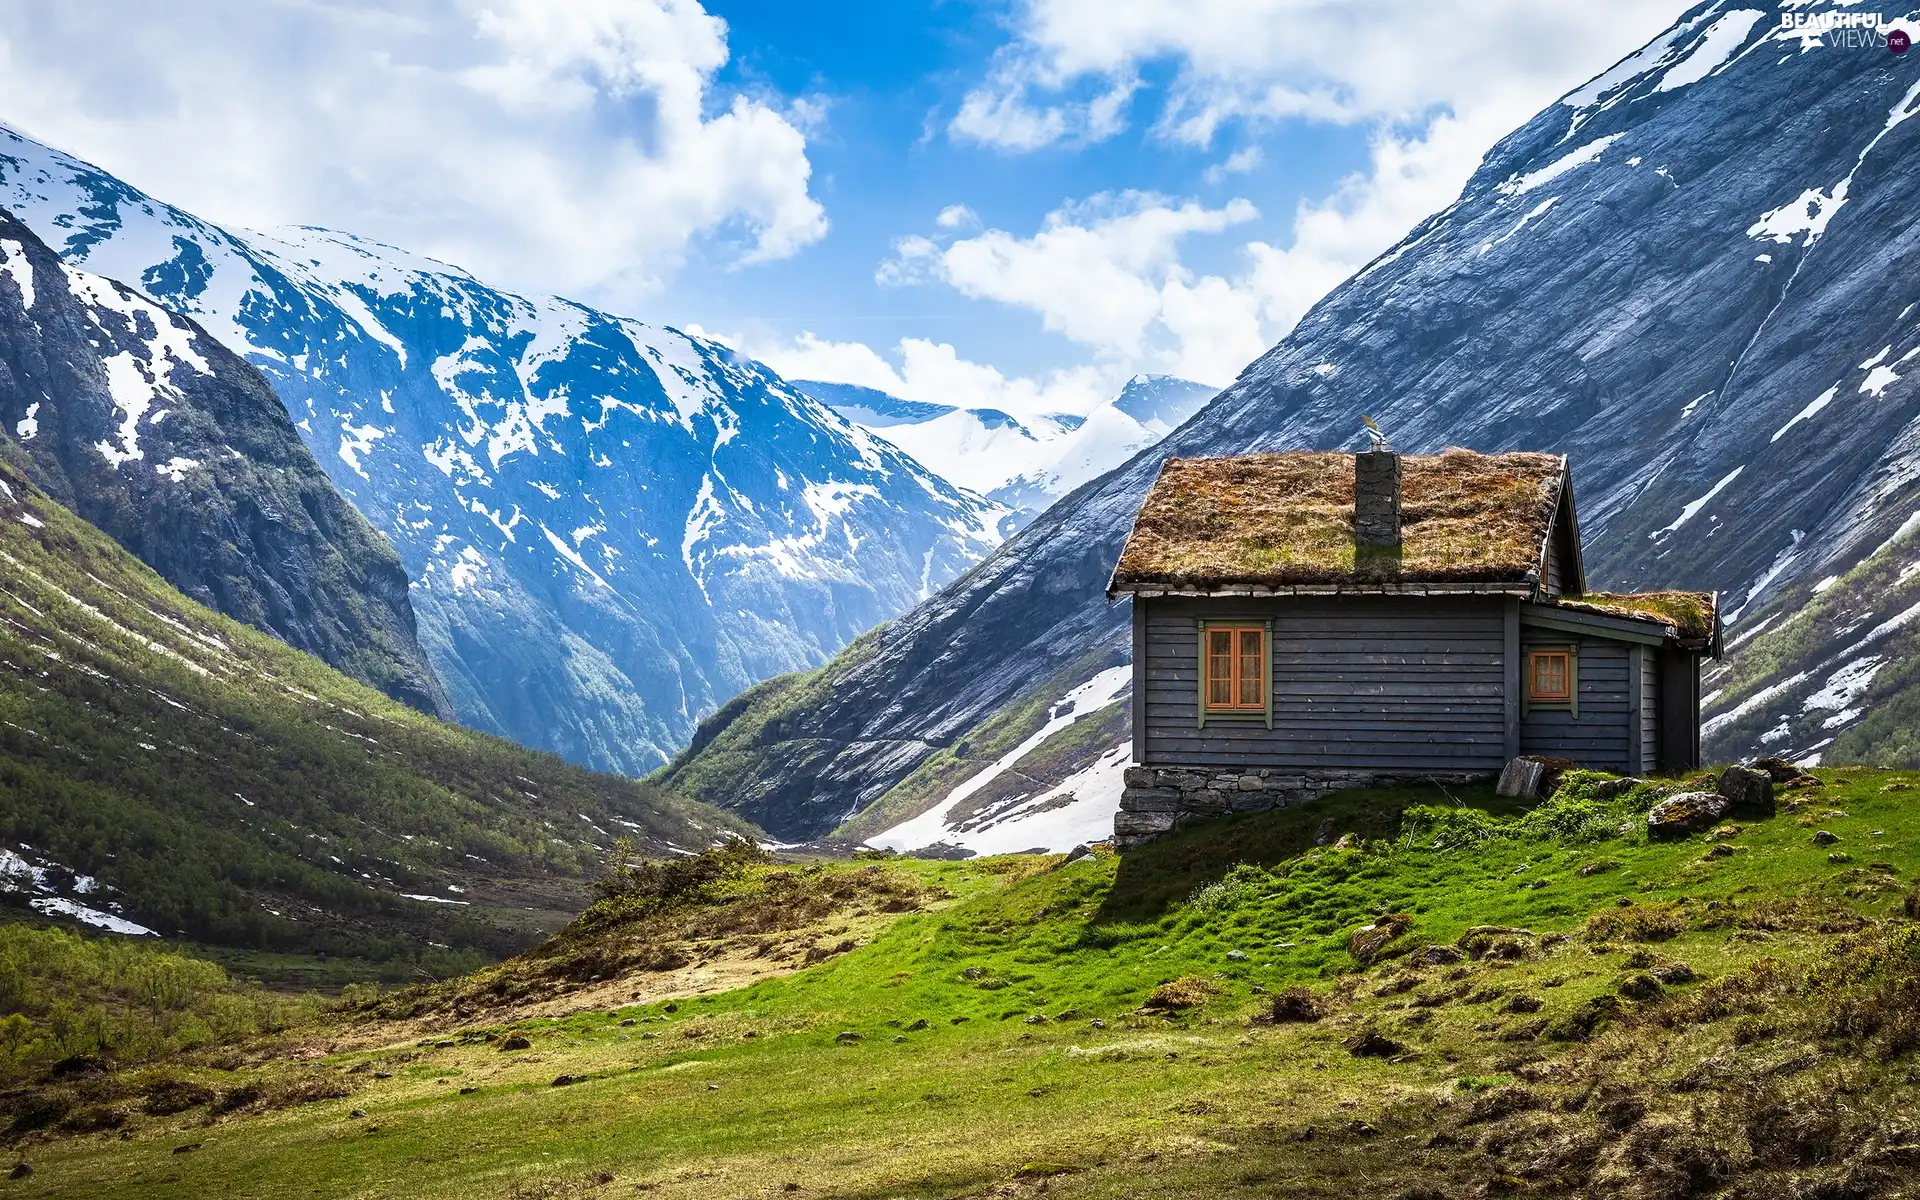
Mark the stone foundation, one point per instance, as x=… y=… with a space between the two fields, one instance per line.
x=1161 y=799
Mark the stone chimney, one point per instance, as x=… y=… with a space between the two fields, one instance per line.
x=1376 y=501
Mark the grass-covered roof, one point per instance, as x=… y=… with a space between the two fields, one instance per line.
x=1691 y=613
x=1274 y=520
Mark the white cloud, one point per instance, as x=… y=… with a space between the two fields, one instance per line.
x=935 y=372
x=1264 y=60
x=957 y=216
x=576 y=146
x=1238 y=163
x=1440 y=82
x=1001 y=114
x=1103 y=273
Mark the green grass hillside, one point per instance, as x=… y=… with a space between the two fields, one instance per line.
x=163 y=764
x=1408 y=994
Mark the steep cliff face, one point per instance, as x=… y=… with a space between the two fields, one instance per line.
x=1686 y=275
x=612 y=527
x=138 y=421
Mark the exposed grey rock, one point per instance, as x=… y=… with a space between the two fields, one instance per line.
x=1522 y=778
x=1749 y=792
x=1686 y=813
x=137 y=420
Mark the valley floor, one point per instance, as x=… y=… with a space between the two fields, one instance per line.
x=1456 y=998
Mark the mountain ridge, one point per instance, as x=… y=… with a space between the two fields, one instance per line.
x=611 y=527
x=165 y=769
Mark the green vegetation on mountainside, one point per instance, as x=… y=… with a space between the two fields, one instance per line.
x=63 y=996
x=1828 y=667
x=1540 y=1003
x=224 y=788
x=745 y=735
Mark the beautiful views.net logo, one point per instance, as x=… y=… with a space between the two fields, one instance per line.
x=1847 y=31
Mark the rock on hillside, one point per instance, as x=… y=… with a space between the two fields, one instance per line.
x=1684 y=274
x=611 y=527
x=136 y=419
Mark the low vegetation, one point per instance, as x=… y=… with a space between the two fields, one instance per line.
x=68 y=998
x=1409 y=994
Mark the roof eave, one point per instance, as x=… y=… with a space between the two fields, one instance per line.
x=1150 y=588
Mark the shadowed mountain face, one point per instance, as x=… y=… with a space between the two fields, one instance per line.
x=611 y=527
x=1686 y=275
x=137 y=420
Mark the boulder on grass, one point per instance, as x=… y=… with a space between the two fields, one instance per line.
x=1531 y=777
x=1749 y=792
x=1366 y=942
x=1685 y=814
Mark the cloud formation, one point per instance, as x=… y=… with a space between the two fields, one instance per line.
x=1439 y=83
x=577 y=146
x=1266 y=60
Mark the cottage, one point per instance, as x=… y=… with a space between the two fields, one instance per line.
x=1308 y=621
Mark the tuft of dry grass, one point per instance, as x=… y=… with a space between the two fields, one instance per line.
x=1189 y=991
x=1280 y=519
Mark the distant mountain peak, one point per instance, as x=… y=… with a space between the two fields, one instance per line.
x=1023 y=464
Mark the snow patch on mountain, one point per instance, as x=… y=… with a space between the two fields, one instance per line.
x=1079 y=809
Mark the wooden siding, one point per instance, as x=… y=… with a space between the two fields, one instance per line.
x=1558 y=578
x=1602 y=736
x=1649 y=710
x=1679 y=711
x=1361 y=682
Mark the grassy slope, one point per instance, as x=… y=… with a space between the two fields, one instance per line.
x=1011 y=1089
x=231 y=790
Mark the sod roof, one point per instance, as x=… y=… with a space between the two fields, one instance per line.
x=1277 y=520
x=1692 y=615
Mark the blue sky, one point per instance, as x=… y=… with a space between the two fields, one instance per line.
x=1015 y=202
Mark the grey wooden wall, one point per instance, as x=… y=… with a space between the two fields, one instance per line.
x=1649 y=710
x=1607 y=731
x=1377 y=682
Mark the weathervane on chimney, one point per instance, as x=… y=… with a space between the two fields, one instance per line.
x=1376 y=435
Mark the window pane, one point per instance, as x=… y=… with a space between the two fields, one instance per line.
x=1551 y=675
x=1220 y=642
x=1251 y=672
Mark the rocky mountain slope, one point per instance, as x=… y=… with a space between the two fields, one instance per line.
x=153 y=431
x=1686 y=275
x=1023 y=464
x=165 y=769
x=611 y=527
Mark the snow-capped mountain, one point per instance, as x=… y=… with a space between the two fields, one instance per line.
x=132 y=417
x=1690 y=275
x=1023 y=464
x=611 y=527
